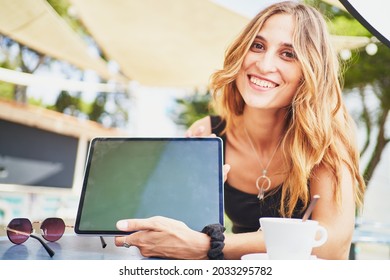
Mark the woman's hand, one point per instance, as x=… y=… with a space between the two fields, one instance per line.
x=226 y=168
x=163 y=237
x=198 y=131
x=195 y=132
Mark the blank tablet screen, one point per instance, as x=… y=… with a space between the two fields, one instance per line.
x=125 y=178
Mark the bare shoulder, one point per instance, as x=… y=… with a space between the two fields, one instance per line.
x=201 y=127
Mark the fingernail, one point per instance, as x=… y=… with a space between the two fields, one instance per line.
x=188 y=133
x=122 y=225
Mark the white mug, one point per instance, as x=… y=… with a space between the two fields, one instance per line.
x=291 y=239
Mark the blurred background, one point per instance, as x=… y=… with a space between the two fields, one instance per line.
x=71 y=70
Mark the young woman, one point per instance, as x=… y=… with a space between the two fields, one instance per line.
x=287 y=136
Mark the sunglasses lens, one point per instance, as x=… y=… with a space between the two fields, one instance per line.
x=19 y=230
x=52 y=229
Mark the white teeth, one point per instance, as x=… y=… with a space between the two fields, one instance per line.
x=262 y=83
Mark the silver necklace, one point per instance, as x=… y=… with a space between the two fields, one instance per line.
x=263 y=182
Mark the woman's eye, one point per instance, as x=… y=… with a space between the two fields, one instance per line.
x=257 y=47
x=289 y=54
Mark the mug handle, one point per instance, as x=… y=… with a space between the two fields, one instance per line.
x=323 y=236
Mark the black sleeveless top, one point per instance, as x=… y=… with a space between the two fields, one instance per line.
x=245 y=209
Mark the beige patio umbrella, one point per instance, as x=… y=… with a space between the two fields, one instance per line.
x=36 y=25
x=162 y=43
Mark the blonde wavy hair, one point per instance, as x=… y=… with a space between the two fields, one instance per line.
x=319 y=128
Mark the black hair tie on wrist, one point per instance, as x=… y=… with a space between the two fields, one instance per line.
x=217 y=238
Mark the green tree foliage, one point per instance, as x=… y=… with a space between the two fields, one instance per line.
x=6 y=90
x=339 y=21
x=67 y=103
x=98 y=108
x=192 y=108
x=343 y=24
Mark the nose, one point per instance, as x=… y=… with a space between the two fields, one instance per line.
x=266 y=62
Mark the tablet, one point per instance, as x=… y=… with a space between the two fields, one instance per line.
x=179 y=178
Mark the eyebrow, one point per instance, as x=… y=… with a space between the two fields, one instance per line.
x=283 y=44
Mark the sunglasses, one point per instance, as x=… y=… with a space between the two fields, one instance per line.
x=52 y=229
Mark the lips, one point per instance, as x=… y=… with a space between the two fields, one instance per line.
x=262 y=83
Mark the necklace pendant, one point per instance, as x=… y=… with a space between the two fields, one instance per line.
x=260 y=196
x=263 y=183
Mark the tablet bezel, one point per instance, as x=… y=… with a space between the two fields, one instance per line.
x=218 y=140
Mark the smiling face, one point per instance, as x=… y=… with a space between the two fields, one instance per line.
x=270 y=73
